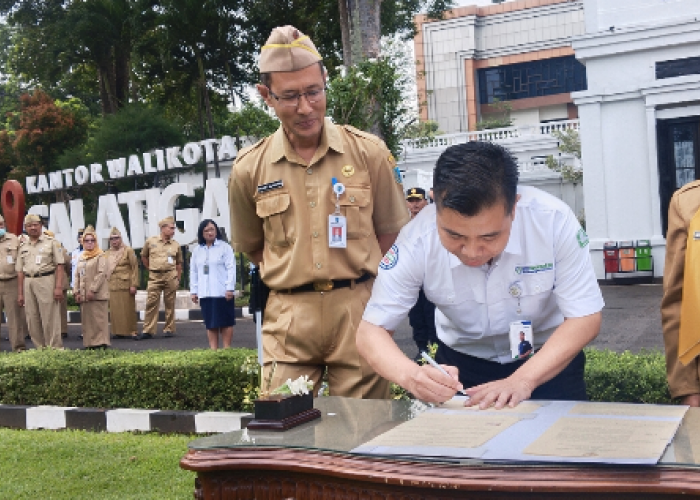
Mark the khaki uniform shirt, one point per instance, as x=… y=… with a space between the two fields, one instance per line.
x=40 y=257
x=280 y=203
x=682 y=380
x=162 y=255
x=126 y=273
x=9 y=247
x=90 y=277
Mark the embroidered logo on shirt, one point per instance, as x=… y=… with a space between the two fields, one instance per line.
x=582 y=238
x=264 y=188
x=538 y=268
x=391 y=258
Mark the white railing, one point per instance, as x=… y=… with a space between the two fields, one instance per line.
x=490 y=135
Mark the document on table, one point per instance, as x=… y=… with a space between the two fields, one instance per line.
x=536 y=431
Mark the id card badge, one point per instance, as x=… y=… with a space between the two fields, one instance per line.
x=9 y=259
x=170 y=259
x=37 y=259
x=206 y=268
x=521 y=342
x=337 y=231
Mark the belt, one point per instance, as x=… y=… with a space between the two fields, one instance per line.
x=39 y=275
x=326 y=285
x=166 y=271
x=8 y=279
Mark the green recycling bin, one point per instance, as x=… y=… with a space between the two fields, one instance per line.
x=643 y=254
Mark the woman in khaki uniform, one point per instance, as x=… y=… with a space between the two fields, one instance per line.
x=91 y=291
x=123 y=276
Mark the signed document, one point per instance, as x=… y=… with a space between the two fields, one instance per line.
x=430 y=430
x=604 y=438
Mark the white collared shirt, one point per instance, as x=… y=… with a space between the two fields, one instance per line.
x=222 y=270
x=74 y=259
x=546 y=261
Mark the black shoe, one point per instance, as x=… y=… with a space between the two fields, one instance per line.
x=6 y=338
x=80 y=336
x=143 y=336
x=64 y=335
x=168 y=334
x=27 y=337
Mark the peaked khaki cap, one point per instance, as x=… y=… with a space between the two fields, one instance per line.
x=115 y=232
x=287 y=49
x=168 y=220
x=32 y=218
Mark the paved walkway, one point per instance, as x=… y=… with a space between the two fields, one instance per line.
x=631 y=321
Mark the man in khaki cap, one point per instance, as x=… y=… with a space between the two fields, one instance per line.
x=316 y=205
x=40 y=287
x=163 y=258
x=9 y=245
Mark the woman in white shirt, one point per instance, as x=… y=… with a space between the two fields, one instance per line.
x=212 y=282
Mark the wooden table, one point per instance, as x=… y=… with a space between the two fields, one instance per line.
x=313 y=461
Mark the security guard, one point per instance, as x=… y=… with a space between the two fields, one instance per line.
x=679 y=305
x=9 y=245
x=163 y=258
x=40 y=287
x=315 y=205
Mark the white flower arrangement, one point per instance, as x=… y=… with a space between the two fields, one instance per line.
x=297 y=387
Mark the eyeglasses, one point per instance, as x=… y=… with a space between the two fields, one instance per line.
x=292 y=101
x=114 y=237
x=88 y=241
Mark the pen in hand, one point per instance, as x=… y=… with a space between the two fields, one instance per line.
x=432 y=363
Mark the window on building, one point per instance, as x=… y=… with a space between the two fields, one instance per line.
x=531 y=79
x=678 y=67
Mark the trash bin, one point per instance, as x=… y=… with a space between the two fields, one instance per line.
x=627 y=256
x=643 y=254
x=611 y=257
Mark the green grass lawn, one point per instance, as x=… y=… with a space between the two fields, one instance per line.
x=57 y=465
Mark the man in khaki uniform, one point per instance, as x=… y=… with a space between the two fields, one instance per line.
x=163 y=258
x=681 y=245
x=40 y=287
x=9 y=245
x=316 y=205
x=63 y=306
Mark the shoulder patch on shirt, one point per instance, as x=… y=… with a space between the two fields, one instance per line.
x=582 y=238
x=391 y=258
x=397 y=175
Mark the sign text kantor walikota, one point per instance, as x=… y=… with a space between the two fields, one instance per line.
x=145 y=207
x=159 y=160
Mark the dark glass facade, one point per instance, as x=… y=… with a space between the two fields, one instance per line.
x=678 y=67
x=531 y=79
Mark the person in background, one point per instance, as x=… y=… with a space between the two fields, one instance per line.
x=91 y=291
x=9 y=246
x=40 y=287
x=123 y=276
x=63 y=306
x=212 y=283
x=162 y=257
x=421 y=317
x=75 y=256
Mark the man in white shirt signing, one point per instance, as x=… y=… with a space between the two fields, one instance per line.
x=496 y=259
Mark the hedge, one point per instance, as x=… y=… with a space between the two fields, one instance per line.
x=225 y=380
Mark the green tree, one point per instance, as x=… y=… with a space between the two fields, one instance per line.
x=251 y=123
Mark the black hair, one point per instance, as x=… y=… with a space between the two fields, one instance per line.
x=200 y=231
x=475 y=175
x=266 y=78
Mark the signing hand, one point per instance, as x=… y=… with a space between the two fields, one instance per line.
x=499 y=393
x=429 y=384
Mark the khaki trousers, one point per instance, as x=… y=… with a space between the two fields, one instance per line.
x=157 y=283
x=307 y=333
x=8 y=302
x=42 y=311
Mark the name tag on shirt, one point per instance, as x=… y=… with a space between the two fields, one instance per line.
x=170 y=259
x=37 y=259
x=9 y=259
x=520 y=337
x=337 y=231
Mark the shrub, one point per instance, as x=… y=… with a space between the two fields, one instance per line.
x=174 y=380
x=227 y=380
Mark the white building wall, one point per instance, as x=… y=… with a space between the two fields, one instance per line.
x=618 y=113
